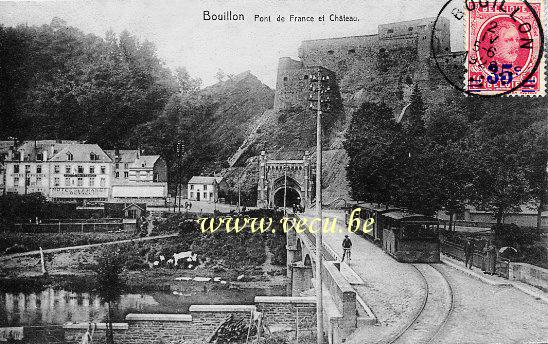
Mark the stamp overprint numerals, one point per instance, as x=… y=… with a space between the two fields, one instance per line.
x=504 y=47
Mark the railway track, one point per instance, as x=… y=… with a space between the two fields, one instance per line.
x=434 y=312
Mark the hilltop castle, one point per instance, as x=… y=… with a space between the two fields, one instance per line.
x=395 y=44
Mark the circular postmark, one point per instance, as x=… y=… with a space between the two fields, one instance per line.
x=503 y=47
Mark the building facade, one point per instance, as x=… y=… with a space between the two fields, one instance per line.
x=80 y=172
x=205 y=189
x=71 y=171
x=27 y=167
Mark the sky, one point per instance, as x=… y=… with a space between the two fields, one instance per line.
x=184 y=39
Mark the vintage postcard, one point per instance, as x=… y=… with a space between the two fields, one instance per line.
x=273 y=172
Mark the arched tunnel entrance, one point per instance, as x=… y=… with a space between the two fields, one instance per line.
x=292 y=197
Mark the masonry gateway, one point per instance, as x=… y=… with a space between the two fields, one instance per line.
x=227 y=15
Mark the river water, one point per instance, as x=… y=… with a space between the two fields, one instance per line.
x=51 y=307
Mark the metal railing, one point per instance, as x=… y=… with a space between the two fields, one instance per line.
x=60 y=227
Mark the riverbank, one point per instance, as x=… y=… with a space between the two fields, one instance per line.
x=74 y=270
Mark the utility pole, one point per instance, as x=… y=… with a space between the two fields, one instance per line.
x=316 y=82
x=180 y=148
x=285 y=189
x=239 y=198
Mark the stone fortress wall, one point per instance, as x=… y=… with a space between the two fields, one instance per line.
x=344 y=54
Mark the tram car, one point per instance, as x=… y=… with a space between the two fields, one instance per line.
x=410 y=237
x=375 y=211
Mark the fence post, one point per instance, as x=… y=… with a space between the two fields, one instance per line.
x=82 y=227
x=59 y=226
x=94 y=227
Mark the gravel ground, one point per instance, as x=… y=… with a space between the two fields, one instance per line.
x=483 y=313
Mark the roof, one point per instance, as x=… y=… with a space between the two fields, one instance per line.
x=81 y=152
x=205 y=180
x=145 y=161
x=124 y=155
x=133 y=205
x=407 y=215
x=381 y=208
x=27 y=148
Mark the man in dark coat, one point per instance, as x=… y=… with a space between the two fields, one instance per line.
x=347 y=245
x=468 y=253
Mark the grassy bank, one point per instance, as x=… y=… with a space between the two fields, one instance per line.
x=260 y=258
x=22 y=242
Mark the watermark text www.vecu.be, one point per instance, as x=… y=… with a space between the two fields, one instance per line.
x=299 y=225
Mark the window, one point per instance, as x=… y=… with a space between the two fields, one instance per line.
x=205 y=194
x=192 y=187
x=117 y=174
x=56 y=169
x=410 y=28
x=330 y=52
x=92 y=169
x=92 y=181
x=70 y=157
x=205 y=187
x=285 y=78
x=192 y=195
x=80 y=169
x=351 y=51
x=305 y=77
x=211 y=195
x=67 y=169
x=126 y=165
x=15 y=181
x=27 y=168
x=126 y=174
x=93 y=156
x=67 y=181
x=39 y=156
x=56 y=181
x=390 y=31
x=38 y=180
x=80 y=181
x=15 y=168
x=38 y=168
x=102 y=182
x=117 y=166
x=103 y=169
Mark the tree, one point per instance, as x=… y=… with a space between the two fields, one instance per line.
x=536 y=157
x=372 y=146
x=110 y=283
x=220 y=75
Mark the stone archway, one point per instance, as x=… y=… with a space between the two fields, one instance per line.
x=273 y=176
x=288 y=188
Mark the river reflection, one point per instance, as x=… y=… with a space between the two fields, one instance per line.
x=59 y=306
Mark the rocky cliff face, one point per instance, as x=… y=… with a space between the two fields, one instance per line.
x=240 y=103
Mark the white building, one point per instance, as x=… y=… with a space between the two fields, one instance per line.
x=204 y=188
x=27 y=167
x=80 y=172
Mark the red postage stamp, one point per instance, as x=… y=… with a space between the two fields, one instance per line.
x=505 y=46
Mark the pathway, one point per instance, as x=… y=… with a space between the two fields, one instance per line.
x=80 y=247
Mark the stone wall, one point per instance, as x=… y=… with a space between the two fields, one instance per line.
x=292 y=312
x=200 y=324
x=530 y=274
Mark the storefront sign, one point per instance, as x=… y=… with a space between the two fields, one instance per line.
x=79 y=192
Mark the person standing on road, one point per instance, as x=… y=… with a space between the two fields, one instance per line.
x=347 y=245
x=491 y=258
x=468 y=253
